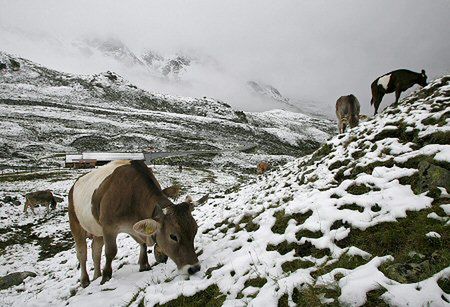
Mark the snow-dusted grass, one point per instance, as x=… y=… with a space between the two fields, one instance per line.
x=344 y=225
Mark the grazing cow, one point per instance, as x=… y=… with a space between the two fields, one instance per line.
x=124 y=197
x=396 y=81
x=39 y=198
x=262 y=167
x=347 y=111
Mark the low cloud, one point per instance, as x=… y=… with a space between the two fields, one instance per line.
x=311 y=51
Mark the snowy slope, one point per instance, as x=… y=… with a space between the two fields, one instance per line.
x=43 y=111
x=362 y=220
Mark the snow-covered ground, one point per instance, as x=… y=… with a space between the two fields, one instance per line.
x=43 y=111
x=296 y=234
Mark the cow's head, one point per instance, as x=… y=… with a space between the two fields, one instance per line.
x=422 y=79
x=174 y=231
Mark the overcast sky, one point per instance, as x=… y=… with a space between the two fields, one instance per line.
x=312 y=50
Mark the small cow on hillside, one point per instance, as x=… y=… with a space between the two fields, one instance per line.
x=103 y=204
x=262 y=167
x=396 y=81
x=347 y=111
x=40 y=198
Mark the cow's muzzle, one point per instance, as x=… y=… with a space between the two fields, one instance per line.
x=191 y=269
x=194 y=269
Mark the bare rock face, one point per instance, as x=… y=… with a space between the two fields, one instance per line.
x=14 y=279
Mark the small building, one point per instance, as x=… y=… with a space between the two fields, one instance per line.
x=92 y=159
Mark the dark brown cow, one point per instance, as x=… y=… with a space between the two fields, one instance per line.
x=39 y=198
x=125 y=197
x=347 y=111
x=396 y=81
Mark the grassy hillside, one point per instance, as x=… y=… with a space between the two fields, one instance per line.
x=363 y=220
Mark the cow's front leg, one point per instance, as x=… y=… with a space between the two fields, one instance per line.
x=110 y=252
x=143 y=259
x=397 y=95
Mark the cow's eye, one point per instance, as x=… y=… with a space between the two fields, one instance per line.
x=174 y=237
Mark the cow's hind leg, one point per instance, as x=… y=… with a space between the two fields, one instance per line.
x=97 y=246
x=79 y=234
x=378 y=102
x=110 y=252
x=143 y=258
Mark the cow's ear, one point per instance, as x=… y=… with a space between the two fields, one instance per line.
x=146 y=227
x=190 y=201
x=423 y=72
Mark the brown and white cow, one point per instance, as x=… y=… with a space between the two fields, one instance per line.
x=262 y=167
x=45 y=197
x=125 y=197
x=347 y=112
x=396 y=81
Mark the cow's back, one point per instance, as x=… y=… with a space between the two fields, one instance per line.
x=83 y=191
x=347 y=106
x=39 y=196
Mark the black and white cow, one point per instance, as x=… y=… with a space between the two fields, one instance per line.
x=396 y=81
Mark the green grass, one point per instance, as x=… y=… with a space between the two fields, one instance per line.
x=257 y=282
x=301 y=250
x=402 y=237
x=34 y=176
x=345 y=261
x=210 y=297
x=209 y=271
x=360 y=189
x=296 y=264
x=353 y=207
x=282 y=220
x=338 y=164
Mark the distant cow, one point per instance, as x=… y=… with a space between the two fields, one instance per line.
x=262 y=167
x=347 y=111
x=39 y=198
x=103 y=204
x=396 y=81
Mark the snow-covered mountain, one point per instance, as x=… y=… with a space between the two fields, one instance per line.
x=186 y=72
x=45 y=111
x=361 y=221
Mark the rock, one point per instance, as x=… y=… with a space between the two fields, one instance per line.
x=432 y=176
x=11 y=200
x=416 y=257
x=7 y=199
x=404 y=272
x=2 y=65
x=14 y=279
x=14 y=64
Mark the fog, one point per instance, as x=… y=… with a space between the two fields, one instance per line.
x=311 y=51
